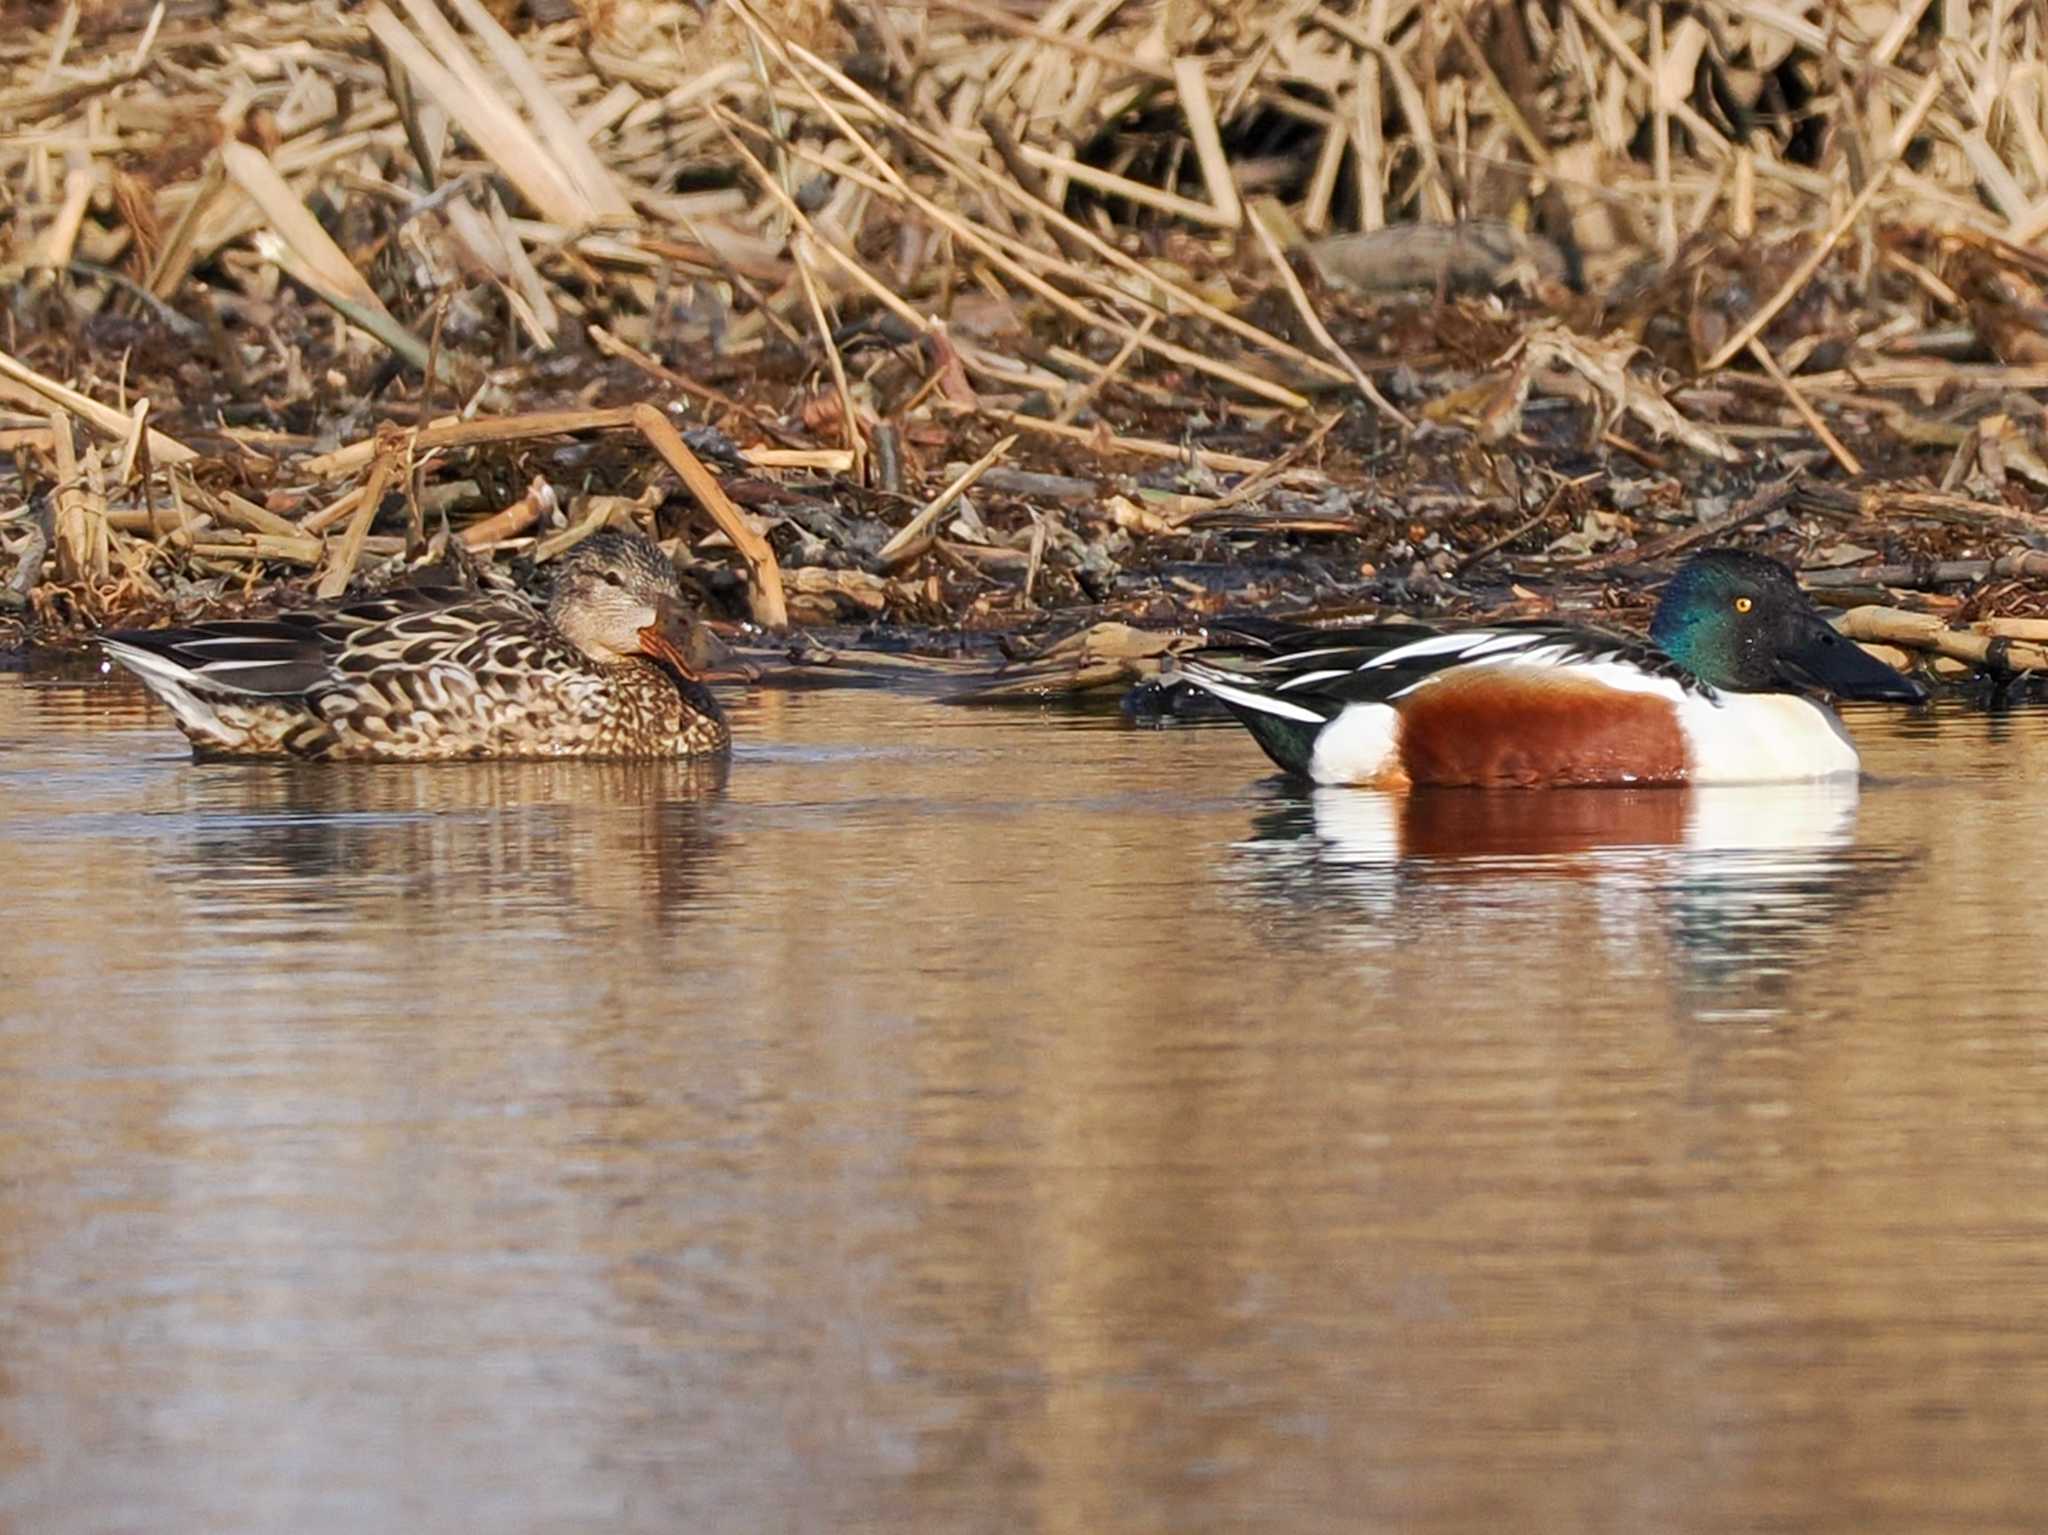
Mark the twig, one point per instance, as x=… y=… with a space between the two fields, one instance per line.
x=898 y=548
x=513 y=520
x=771 y=608
x=1769 y=499
x=1930 y=632
x=1803 y=273
x=1321 y=332
x=1143 y=447
x=850 y=423
x=606 y=342
x=1849 y=462
x=1495 y=545
x=1085 y=396
x=344 y=559
x=102 y=418
x=1922 y=576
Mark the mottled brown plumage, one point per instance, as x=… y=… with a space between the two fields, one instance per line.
x=607 y=669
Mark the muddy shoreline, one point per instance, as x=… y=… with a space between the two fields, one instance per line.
x=297 y=310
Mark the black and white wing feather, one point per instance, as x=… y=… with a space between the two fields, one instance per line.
x=1286 y=685
x=301 y=654
x=1323 y=670
x=288 y=681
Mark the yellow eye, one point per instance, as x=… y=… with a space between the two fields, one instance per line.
x=1743 y=604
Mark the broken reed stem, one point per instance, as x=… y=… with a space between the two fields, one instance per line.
x=850 y=424
x=1142 y=447
x=1320 y=331
x=1036 y=563
x=1930 y=632
x=1192 y=86
x=461 y=434
x=901 y=546
x=987 y=244
x=513 y=520
x=62 y=237
x=1083 y=398
x=764 y=586
x=73 y=539
x=1902 y=135
x=328 y=515
x=1660 y=141
x=133 y=445
x=344 y=559
x=104 y=419
x=1836 y=449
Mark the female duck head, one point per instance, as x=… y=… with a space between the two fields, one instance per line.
x=1740 y=622
x=616 y=596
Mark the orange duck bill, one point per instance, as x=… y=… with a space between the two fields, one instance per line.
x=681 y=640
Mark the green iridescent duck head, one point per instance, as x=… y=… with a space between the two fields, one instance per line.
x=1740 y=622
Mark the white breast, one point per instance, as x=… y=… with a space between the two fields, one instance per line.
x=1764 y=738
x=1357 y=746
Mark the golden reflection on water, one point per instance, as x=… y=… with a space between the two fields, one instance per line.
x=953 y=1120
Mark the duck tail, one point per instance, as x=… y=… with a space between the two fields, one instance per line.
x=171 y=682
x=1285 y=729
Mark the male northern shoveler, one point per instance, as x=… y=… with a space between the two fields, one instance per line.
x=607 y=669
x=1725 y=692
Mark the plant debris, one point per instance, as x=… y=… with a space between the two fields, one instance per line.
x=948 y=323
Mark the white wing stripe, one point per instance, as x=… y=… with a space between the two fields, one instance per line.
x=1501 y=642
x=1435 y=645
x=1306 y=678
x=1263 y=702
x=1604 y=670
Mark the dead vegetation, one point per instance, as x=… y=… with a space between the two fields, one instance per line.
x=977 y=316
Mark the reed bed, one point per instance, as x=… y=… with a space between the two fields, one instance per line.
x=981 y=316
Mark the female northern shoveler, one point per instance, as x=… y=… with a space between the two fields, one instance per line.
x=607 y=669
x=1723 y=693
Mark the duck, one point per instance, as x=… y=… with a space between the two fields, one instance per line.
x=607 y=668
x=1730 y=688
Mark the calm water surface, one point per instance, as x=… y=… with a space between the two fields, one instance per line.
x=1006 y=1121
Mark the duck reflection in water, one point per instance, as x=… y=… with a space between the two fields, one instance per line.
x=1745 y=880
x=484 y=842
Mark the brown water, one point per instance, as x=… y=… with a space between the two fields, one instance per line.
x=1014 y=1121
